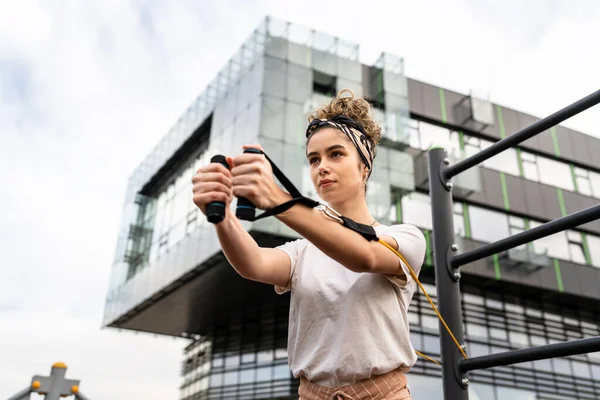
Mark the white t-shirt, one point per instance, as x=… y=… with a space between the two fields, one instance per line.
x=346 y=326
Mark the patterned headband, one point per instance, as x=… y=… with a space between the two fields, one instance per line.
x=351 y=128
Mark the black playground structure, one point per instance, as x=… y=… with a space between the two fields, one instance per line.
x=455 y=367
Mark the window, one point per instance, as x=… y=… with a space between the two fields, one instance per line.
x=434 y=135
x=582 y=180
x=488 y=226
x=416 y=210
x=506 y=161
x=555 y=173
x=516 y=225
x=576 y=247
x=595 y=182
x=324 y=83
x=530 y=167
x=555 y=245
x=593 y=243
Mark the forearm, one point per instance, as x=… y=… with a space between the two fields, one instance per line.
x=337 y=241
x=240 y=249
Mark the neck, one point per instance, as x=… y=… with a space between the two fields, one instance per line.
x=356 y=209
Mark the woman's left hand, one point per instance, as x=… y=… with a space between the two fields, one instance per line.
x=252 y=178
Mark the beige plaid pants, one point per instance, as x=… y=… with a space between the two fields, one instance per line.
x=389 y=386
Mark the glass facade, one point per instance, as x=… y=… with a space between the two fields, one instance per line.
x=488 y=226
x=246 y=357
x=264 y=95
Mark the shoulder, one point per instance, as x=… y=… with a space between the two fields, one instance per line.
x=294 y=246
x=410 y=240
x=401 y=229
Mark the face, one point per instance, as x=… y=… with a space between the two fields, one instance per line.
x=335 y=166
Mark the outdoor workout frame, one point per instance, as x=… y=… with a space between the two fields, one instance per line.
x=447 y=264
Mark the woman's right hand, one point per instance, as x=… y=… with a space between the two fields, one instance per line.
x=212 y=183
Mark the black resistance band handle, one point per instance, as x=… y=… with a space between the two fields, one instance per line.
x=215 y=211
x=246 y=210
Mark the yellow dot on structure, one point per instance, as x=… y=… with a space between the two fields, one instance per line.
x=59 y=365
x=74 y=388
x=36 y=384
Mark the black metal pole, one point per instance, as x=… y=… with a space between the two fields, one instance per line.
x=547 y=229
x=563 y=349
x=524 y=134
x=448 y=288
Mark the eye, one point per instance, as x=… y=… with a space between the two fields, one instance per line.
x=335 y=154
x=313 y=160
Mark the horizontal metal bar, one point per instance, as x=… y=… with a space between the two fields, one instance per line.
x=547 y=229
x=524 y=134
x=562 y=349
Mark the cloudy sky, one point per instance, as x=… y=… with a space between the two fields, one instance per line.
x=88 y=88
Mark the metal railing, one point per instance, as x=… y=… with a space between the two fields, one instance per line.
x=447 y=263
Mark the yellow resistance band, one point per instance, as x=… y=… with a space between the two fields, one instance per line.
x=414 y=276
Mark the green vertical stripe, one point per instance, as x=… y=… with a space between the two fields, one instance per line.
x=398 y=208
x=586 y=250
x=520 y=162
x=574 y=178
x=559 y=281
x=428 y=251
x=496 y=266
x=443 y=105
x=461 y=140
x=504 y=191
x=466 y=220
x=561 y=202
x=555 y=141
x=500 y=121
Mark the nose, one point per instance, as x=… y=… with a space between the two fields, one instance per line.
x=323 y=168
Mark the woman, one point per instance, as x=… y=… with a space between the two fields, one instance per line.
x=348 y=327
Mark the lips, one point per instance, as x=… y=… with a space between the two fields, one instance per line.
x=326 y=182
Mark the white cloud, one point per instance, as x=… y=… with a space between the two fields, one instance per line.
x=94 y=85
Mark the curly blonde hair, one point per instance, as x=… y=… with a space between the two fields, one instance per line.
x=350 y=106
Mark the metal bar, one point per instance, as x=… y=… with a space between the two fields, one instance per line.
x=80 y=396
x=22 y=395
x=447 y=287
x=524 y=134
x=563 y=349
x=547 y=229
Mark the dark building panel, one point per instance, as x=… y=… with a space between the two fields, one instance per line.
x=451 y=99
x=509 y=118
x=587 y=202
x=593 y=145
x=551 y=204
x=582 y=148
x=532 y=192
x=547 y=278
x=545 y=143
x=572 y=201
x=431 y=102
x=564 y=143
x=570 y=274
x=415 y=97
x=588 y=280
x=492 y=188
x=525 y=120
x=516 y=196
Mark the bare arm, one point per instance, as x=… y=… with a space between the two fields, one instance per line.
x=251 y=261
x=342 y=244
x=213 y=183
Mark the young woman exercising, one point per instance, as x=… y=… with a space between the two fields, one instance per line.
x=348 y=332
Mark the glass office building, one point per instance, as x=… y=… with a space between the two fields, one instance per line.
x=169 y=276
